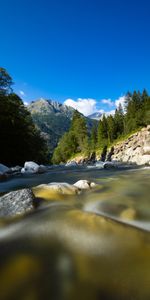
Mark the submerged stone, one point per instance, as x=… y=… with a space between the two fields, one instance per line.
x=55 y=190
x=128 y=214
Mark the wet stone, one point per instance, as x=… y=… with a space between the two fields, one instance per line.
x=16 y=202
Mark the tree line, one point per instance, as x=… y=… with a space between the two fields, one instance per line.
x=20 y=139
x=135 y=115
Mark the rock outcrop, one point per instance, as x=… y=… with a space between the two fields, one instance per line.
x=135 y=149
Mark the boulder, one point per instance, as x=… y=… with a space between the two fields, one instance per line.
x=109 y=165
x=84 y=184
x=33 y=168
x=55 y=190
x=16 y=202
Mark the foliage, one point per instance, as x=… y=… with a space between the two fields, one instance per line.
x=20 y=140
x=5 y=82
x=74 y=141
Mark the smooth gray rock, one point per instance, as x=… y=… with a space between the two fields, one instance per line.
x=33 y=168
x=16 y=202
x=110 y=165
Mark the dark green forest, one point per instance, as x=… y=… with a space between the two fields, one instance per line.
x=109 y=130
x=20 y=139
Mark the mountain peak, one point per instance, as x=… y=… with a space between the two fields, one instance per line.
x=52 y=118
x=47 y=106
x=96 y=116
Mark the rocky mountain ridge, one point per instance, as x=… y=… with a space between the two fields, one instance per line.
x=53 y=119
x=96 y=116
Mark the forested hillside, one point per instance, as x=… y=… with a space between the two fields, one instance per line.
x=135 y=115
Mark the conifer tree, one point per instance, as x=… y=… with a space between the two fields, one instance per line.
x=102 y=132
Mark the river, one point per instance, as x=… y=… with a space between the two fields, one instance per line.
x=93 y=246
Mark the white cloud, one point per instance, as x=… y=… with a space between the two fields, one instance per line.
x=88 y=106
x=109 y=102
x=84 y=106
x=22 y=93
x=120 y=100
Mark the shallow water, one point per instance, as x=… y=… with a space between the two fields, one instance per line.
x=92 y=246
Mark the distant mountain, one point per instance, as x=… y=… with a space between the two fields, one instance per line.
x=53 y=119
x=96 y=116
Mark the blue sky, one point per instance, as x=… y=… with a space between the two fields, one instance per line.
x=91 y=50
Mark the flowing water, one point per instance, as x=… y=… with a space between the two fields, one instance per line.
x=90 y=246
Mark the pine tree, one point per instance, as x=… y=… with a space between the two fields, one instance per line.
x=5 y=82
x=111 y=125
x=119 y=121
x=146 y=107
x=93 y=138
x=102 y=132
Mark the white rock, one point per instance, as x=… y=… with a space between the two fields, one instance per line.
x=23 y=171
x=31 y=166
x=84 y=184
